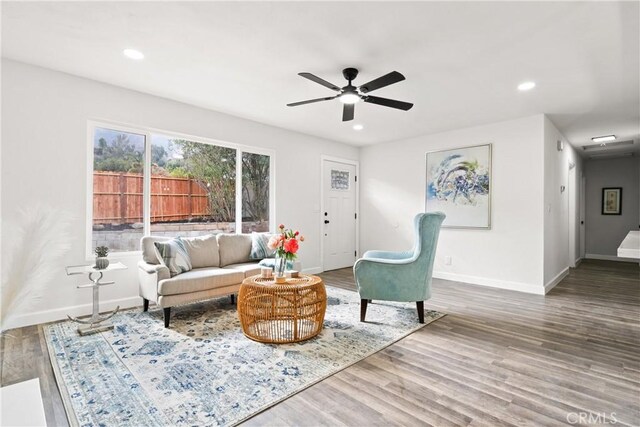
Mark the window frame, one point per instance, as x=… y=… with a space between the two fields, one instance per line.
x=148 y=133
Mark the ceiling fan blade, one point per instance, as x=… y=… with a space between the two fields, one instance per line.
x=294 y=104
x=388 y=102
x=386 y=80
x=320 y=81
x=347 y=112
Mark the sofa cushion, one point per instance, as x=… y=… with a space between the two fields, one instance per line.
x=259 y=248
x=203 y=250
x=248 y=269
x=149 y=254
x=174 y=256
x=200 y=279
x=234 y=248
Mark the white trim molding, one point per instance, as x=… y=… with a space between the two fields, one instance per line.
x=609 y=258
x=56 y=314
x=553 y=282
x=492 y=283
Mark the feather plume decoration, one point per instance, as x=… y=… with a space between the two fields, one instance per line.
x=41 y=239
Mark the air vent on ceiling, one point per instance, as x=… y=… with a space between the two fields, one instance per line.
x=607 y=145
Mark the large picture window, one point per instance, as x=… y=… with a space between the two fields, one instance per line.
x=193 y=187
x=151 y=183
x=118 y=207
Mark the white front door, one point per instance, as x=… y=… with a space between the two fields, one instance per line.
x=338 y=215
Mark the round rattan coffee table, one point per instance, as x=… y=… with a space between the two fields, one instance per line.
x=282 y=313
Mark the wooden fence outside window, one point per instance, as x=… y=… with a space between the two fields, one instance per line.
x=118 y=198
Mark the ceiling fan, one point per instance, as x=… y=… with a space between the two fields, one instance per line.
x=349 y=95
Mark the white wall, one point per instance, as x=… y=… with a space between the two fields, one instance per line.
x=510 y=255
x=557 y=258
x=44 y=144
x=604 y=233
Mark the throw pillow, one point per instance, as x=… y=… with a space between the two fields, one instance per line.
x=174 y=256
x=259 y=248
x=202 y=250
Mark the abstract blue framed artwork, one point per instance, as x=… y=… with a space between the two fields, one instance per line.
x=459 y=184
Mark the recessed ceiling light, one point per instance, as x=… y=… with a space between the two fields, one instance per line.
x=358 y=127
x=133 y=54
x=605 y=138
x=526 y=86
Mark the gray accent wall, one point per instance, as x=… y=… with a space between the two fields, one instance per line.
x=604 y=233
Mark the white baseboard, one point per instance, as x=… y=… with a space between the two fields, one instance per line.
x=609 y=258
x=46 y=316
x=553 y=282
x=56 y=314
x=492 y=283
x=578 y=262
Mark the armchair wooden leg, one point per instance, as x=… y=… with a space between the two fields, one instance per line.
x=167 y=316
x=363 y=308
x=420 y=306
x=145 y=304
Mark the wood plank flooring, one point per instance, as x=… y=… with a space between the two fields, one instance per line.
x=498 y=358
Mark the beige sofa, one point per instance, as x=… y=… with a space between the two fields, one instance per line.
x=220 y=264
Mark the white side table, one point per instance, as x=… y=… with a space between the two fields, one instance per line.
x=95 y=323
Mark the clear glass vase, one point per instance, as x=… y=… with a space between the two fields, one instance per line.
x=280 y=266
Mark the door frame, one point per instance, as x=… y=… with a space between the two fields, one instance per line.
x=355 y=163
x=572 y=213
x=583 y=216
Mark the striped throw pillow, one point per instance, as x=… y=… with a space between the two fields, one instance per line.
x=259 y=249
x=174 y=256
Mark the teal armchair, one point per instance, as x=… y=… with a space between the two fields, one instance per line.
x=401 y=276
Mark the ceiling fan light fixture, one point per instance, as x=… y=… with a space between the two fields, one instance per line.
x=349 y=98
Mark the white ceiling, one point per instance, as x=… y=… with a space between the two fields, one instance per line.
x=462 y=60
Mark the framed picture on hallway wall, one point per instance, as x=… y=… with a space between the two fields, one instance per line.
x=459 y=184
x=612 y=201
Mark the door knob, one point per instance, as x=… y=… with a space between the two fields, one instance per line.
x=326 y=221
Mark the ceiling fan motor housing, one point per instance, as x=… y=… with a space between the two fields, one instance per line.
x=350 y=74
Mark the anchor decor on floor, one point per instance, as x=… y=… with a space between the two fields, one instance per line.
x=95 y=323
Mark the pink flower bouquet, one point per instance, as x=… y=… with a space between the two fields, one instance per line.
x=286 y=245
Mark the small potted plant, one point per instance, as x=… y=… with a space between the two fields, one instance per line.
x=102 y=261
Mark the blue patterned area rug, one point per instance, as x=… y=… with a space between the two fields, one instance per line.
x=204 y=371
